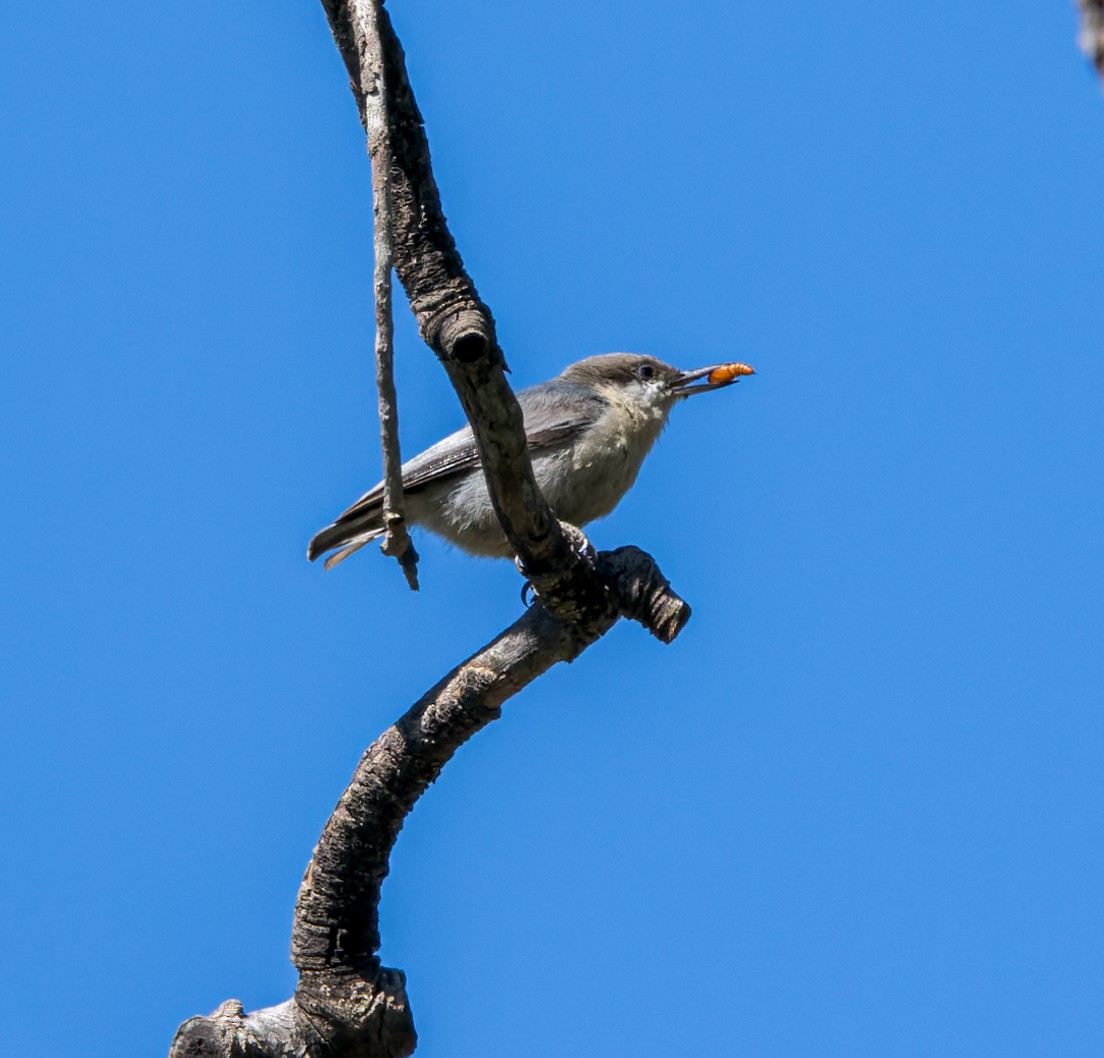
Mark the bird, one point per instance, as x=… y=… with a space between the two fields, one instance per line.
x=588 y=430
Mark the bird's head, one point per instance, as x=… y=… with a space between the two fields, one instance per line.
x=647 y=382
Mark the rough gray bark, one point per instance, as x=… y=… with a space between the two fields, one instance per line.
x=1092 y=32
x=346 y=1004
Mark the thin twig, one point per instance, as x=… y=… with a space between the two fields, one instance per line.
x=396 y=540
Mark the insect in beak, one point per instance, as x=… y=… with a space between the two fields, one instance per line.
x=710 y=378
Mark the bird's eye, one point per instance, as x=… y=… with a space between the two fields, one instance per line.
x=645 y=372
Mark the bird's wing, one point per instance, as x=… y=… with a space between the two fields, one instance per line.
x=557 y=412
x=554 y=412
x=455 y=453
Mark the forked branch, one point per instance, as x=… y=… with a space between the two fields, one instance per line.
x=346 y=1004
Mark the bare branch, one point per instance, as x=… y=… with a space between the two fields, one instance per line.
x=336 y=923
x=346 y=1004
x=456 y=323
x=396 y=540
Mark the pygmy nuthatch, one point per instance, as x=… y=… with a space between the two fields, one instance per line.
x=588 y=431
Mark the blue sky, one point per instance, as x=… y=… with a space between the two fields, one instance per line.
x=854 y=810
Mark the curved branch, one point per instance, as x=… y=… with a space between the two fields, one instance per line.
x=336 y=915
x=346 y=1004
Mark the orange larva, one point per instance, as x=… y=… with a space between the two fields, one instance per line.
x=725 y=373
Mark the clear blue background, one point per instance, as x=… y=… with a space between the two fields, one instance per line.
x=854 y=810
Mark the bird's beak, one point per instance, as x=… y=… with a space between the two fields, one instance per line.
x=707 y=379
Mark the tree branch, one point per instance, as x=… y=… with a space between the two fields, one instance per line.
x=346 y=1004
x=455 y=322
x=396 y=540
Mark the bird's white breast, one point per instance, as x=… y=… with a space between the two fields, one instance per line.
x=604 y=461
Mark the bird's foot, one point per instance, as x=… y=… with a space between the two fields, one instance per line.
x=579 y=543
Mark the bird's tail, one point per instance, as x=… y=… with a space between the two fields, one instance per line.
x=346 y=537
